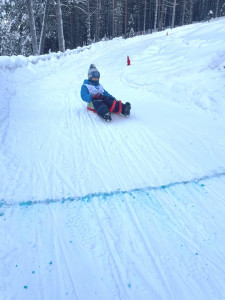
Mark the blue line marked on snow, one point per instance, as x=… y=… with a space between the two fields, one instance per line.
x=2 y=202
x=105 y=195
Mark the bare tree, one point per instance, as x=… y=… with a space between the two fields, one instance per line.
x=32 y=27
x=61 y=40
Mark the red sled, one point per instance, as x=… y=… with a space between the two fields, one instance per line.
x=111 y=109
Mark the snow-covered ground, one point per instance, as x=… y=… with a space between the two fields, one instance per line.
x=131 y=209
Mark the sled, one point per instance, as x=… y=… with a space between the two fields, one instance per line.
x=90 y=107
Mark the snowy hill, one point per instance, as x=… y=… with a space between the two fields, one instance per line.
x=131 y=209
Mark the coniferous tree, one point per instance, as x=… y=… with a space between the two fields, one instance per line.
x=131 y=26
x=183 y=12
x=145 y=8
x=222 y=11
x=217 y=8
x=156 y=14
x=44 y=26
x=32 y=27
x=97 y=21
x=191 y=7
x=174 y=12
x=14 y=28
x=80 y=22
x=59 y=19
x=162 y=15
x=125 y=17
x=118 y=18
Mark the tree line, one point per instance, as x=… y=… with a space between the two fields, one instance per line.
x=39 y=26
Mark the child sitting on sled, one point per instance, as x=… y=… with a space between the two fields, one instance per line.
x=99 y=100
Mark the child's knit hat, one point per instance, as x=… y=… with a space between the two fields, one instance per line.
x=93 y=72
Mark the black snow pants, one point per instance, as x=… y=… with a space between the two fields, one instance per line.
x=107 y=104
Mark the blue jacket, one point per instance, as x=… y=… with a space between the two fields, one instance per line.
x=86 y=96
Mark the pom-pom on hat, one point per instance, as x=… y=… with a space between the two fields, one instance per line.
x=93 y=72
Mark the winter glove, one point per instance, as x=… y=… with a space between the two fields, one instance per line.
x=96 y=96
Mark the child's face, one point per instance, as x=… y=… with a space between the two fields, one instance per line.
x=95 y=78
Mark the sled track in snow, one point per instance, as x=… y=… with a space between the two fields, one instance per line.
x=89 y=197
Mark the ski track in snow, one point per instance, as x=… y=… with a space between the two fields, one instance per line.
x=166 y=244
x=132 y=209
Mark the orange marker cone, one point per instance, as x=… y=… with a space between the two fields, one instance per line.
x=128 y=61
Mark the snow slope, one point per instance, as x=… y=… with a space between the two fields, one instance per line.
x=131 y=209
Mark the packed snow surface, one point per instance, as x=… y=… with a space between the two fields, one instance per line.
x=131 y=209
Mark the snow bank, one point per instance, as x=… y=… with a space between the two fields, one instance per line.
x=6 y=92
x=13 y=62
